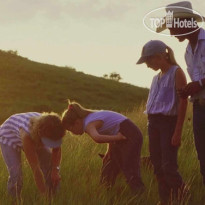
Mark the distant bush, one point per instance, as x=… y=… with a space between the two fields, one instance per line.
x=13 y=52
x=113 y=76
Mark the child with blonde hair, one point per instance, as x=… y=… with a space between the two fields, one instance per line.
x=166 y=112
x=34 y=133
x=123 y=136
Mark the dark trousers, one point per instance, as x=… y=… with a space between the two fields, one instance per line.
x=163 y=154
x=125 y=157
x=199 y=134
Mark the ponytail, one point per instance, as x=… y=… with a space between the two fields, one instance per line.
x=75 y=111
x=171 y=57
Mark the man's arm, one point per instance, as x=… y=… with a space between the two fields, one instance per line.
x=194 y=87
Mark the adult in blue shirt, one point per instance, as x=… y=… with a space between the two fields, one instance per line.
x=195 y=60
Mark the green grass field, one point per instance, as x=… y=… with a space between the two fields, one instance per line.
x=80 y=171
x=31 y=86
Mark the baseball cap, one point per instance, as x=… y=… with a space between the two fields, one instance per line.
x=51 y=143
x=151 y=48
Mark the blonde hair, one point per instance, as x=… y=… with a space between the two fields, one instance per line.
x=47 y=125
x=171 y=57
x=75 y=111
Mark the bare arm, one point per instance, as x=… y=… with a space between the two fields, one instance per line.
x=56 y=159
x=91 y=129
x=180 y=80
x=31 y=155
x=107 y=155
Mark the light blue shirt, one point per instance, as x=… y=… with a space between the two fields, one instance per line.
x=162 y=97
x=111 y=121
x=196 y=62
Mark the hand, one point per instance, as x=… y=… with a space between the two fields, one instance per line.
x=120 y=136
x=192 y=88
x=107 y=157
x=176 y=140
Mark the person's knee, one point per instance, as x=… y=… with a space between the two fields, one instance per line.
x=169 y=168
x=169 y=161
x=139 y=139
x=202 y=166
x=15 y=174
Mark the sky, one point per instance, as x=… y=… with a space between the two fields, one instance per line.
x=93 y=36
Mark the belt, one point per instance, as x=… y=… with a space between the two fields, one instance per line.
x=159 y=115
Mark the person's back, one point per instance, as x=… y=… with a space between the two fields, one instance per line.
x=111 y=121
x=10 y=129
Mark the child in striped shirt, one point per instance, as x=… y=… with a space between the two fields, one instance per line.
x=34 y=133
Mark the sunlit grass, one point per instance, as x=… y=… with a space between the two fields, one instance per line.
x=80 y=171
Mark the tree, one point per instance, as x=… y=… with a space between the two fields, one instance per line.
x=105 y=76
x=113 y=76
x=13 y=52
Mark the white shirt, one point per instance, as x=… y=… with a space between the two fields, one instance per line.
x=196 y=62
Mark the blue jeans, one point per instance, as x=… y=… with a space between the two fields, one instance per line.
x=199 y=134
x=12 y=158
x=125 y=157
x=163 y=155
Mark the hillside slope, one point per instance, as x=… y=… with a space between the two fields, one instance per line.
x=30 y=86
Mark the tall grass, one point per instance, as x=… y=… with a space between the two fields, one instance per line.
x=80 y=171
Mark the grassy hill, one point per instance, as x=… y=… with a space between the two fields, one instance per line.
x=26 y=85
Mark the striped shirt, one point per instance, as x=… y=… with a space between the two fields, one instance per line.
x=196 y=62
x=162 y=97
x=9 y=130
x=111 y=121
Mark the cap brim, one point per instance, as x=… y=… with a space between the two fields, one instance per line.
x=51 y=143
x=181 y=15
x=142 y=60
